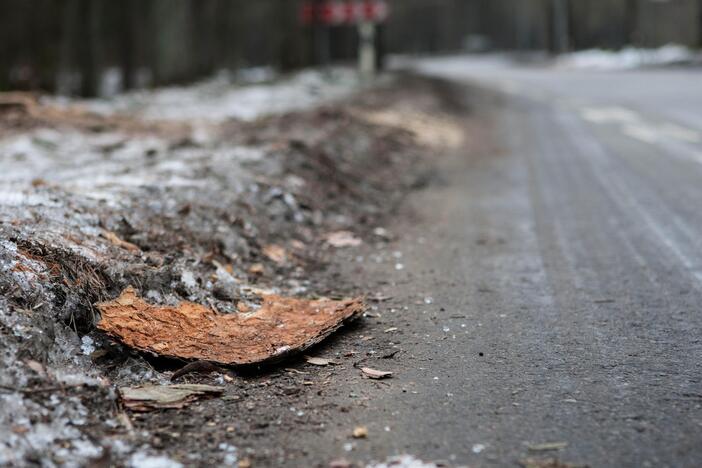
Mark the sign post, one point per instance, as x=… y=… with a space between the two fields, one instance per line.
x=366 y=49
x=365 y=14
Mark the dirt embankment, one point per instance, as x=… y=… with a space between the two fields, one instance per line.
x=216 y=214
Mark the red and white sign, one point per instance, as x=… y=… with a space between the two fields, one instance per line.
x=338 y=12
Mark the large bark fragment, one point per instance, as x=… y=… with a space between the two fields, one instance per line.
x=282 y=326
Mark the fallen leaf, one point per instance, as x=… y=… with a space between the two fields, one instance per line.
x=36 y=367
x=282 y=326
x=381 y=232
x=340 y=463
x=342 y=239
x=548 y=446
x=275 y=253
x=317 y=361
x=360 y=432
x=375 y=374
x=297 y=245
x=115 y=240
x=256 y=269
x=152 y=397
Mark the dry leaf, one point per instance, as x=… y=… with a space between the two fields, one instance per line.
x=317 y=361
x=360 y=432
x=152 y=397
x=281 y=327
x=340 y=463
x=297 y=245
x=36 y=367
x=342 y=239
x=375 y=374
x=115 y=240
x=275 y=253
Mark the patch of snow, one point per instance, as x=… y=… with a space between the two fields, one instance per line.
x=221 y=98
x=402 y=461
x=627 y=58
x=477 y=448
x=188 y=279
x=87 y=345
x=144 y=460
x=231 y=456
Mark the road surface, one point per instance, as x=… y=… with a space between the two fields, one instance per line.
x=564 y=266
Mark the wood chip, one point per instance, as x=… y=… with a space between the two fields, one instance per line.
x=548 y=446
x=317 y=361
x=375 y=374
x=276 y=253
x=153 y=397
x=256 y=269
x=115 y=240
x=342 y=239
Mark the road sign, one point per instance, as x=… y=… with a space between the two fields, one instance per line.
x=344 y=12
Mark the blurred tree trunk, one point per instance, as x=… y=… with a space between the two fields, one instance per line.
x=87 y=47
x=127 y=30
x=561 y=25
x=631 y=21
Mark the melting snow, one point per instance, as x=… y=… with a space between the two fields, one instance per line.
x=402 y=461
x=627 y=58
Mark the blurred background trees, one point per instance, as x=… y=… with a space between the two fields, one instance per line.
x=92 y=47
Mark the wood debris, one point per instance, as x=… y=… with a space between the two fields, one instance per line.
x=153 y=397
x=275 y=253
x=548 y=446
x=118 y=242
x=375 y=374
x=342 y=239
x=317 y=361
x=282 y=326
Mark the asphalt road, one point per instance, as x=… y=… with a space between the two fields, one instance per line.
x=564 y=265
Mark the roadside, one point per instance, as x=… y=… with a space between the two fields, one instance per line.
x=213 y=213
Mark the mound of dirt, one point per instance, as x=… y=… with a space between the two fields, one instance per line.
x=219 y=215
